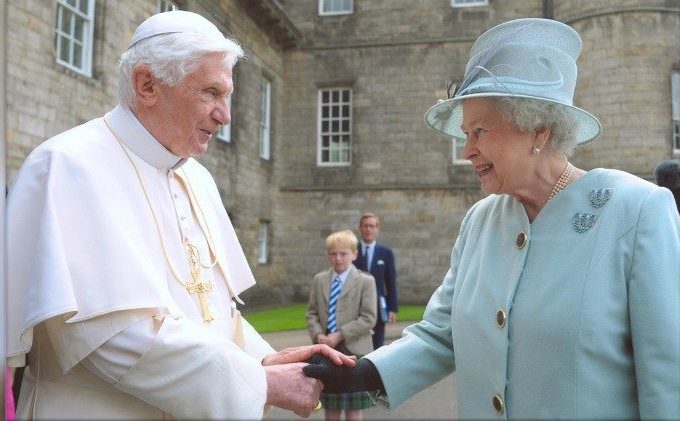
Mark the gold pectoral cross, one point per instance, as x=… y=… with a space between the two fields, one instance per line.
x=198 y=286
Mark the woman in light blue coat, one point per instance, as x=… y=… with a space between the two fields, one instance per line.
x=563 y=295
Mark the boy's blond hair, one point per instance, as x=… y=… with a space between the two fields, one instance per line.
x=344 y=238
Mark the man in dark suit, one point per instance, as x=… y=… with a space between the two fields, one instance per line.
x=378 y=260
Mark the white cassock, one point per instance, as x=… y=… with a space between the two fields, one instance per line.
x=95 y=297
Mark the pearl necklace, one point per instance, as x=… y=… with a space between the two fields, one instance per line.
x=562 y=181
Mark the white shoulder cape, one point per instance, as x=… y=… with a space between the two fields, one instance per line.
x=81 y=239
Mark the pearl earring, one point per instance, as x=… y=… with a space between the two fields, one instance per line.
x=536 y=151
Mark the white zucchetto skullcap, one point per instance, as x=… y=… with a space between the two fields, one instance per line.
x=173 y=22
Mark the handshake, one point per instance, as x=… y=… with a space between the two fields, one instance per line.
x=342 y=379
x=296 y=376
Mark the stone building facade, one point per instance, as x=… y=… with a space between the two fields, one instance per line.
x=44 y=97
x=393 y=58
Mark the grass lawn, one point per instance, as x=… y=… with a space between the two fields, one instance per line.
x=293 y=317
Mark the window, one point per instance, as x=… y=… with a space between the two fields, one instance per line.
x=224 y=133
x=263 y=243
x=74 y=29
x=336 y=7
x=457 y=151
x=675 y=88
x=334 y=126
x=468 y=3
x=265 y=109
x=166 y=6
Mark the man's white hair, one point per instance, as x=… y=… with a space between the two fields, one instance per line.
x=171 y=57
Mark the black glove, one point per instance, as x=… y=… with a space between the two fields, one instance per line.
x=340 y=379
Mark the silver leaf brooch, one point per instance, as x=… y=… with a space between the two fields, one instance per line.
x=598 y=197
x=582 y=221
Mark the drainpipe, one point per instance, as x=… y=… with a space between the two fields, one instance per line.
x=548 y=9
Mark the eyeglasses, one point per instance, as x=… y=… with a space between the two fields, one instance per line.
x=368 y=226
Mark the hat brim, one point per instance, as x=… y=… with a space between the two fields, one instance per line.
x=446 y=116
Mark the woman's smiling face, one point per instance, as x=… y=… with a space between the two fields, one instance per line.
x=499 y=151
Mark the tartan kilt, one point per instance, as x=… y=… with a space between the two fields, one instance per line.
x=346 y=401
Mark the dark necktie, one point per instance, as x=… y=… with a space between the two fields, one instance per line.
x=368 y=258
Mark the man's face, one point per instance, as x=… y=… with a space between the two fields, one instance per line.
x=340 y=257
x=193 y=111
x=369 y=229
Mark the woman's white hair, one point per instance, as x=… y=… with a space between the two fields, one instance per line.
x=171 y=57
x=529 y=114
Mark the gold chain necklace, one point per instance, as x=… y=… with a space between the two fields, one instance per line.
x=196 y=285
x=201 y=221
x=562 y=181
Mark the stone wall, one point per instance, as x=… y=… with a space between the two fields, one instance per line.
x=629 y=49
x=419 y=224
x=247 y=182
x=397 y=56
x=45 y=98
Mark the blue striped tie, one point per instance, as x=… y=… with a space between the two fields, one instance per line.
x=332 y=303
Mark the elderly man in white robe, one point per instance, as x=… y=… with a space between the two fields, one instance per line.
x=123 y=267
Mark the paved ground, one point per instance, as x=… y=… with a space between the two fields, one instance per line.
x=435 y=403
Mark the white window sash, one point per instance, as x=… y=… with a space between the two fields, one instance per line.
x=468 y=3
x=166 y=6
x=335 y=7
x=64 y=39
x=457 y=152
x=675 y=109
x=265 y=127
x=263 y=243
x=224 y=133
x=675 y=94
x=339 y=147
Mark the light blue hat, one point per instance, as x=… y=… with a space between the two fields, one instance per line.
x=523 y=58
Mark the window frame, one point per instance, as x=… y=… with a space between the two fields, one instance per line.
x=166 y=6
x=468 y=3
x=340 y=133
x=224 y=133
x=456 y=146
x=87 y=42
x=323 y=12
x=675 y=111
x=263 y=242
x=265 y=119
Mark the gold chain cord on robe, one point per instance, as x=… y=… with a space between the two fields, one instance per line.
x=181 y=175
x=195 y=286
x=202 y=222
